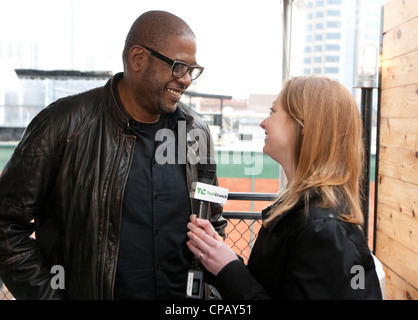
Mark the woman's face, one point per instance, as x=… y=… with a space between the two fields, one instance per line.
x=281 y=137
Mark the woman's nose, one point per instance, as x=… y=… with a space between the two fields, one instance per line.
x=263 y=123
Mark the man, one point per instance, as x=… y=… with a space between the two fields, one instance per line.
x=89 y=177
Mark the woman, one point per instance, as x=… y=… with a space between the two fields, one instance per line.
x=310 y=245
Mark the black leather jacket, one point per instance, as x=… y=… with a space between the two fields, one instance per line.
x=65 y=181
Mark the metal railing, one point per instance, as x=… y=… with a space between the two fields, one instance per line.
x=247 y=196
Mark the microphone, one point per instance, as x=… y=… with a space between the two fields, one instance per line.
x=204 y=190
x=206 y=170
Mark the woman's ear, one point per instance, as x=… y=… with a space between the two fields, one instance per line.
x=302 y=131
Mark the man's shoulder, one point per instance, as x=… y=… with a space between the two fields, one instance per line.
x=67 y=116
x=80 y=101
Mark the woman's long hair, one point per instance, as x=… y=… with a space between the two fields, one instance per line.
x=329 y=155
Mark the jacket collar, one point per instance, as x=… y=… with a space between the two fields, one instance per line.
x=113 y=107
x=266 y=212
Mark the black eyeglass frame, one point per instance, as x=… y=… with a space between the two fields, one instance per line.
x=173 y=64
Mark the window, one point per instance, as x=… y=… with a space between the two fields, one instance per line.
x=333 y=35
x=332 y=59
x=318 y=37
x=318 y=59
x=334 y=13
x=333 y=47
x=334 y=24
x=331 y=70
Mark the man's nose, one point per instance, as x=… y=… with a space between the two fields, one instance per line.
x=186 y=80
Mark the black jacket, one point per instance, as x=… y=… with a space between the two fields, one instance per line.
x=314 y=256
x=65 y=181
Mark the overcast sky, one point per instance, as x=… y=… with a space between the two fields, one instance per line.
x=239 y=41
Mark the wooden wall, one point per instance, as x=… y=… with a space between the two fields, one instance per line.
x=397 y=181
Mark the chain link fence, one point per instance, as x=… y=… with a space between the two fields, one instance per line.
x=241 y=235
x=4 y=293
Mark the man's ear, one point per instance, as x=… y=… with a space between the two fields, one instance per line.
x=136 y=58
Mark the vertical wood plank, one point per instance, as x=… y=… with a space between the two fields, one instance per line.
x=397 y=179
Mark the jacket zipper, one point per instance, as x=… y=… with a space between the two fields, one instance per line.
x=106 y=222
x=120 y=216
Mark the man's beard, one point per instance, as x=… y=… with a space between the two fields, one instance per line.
x=150 y=96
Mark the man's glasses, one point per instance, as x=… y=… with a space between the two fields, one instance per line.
x=178 y=69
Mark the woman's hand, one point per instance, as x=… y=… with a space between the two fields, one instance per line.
x=207 y=245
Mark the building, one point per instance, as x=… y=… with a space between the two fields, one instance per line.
x=329 y=39
x=335 y=31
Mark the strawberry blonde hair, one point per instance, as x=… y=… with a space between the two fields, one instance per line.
x=329 y=154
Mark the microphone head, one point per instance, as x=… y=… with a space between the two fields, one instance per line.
x=206 y=168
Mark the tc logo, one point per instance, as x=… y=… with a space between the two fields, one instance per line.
x=201 y=191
